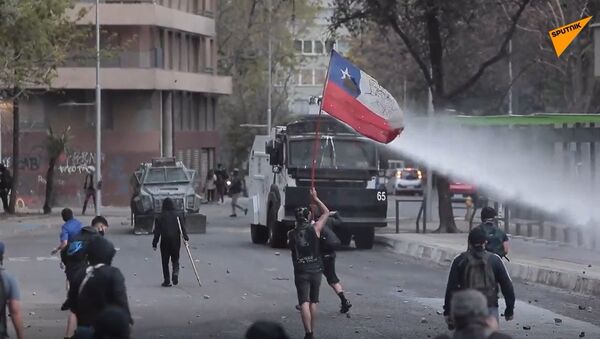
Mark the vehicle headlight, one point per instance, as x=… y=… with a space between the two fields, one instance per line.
x=190 y=202
x=146 y=203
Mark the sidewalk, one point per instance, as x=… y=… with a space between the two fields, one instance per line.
x=551 y=264
x=29 y=221
x=33 y=220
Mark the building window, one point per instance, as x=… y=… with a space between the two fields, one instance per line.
x=320 y=76
x=213 y=113
x=329 y=45
x=307 y=47
x=202 y=112
x=306 y=77
x=298 y=46
x=310 y=47
x=318 y=47
x=210 y=121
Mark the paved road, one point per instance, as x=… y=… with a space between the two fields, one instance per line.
x=245 y=282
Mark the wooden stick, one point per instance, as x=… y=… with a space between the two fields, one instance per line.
x=187 y=247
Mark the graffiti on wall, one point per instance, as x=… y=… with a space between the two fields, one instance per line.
x=27 y=163
x=78 y=163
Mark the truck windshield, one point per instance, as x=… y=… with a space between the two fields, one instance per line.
x=166 y=175
x=333 y=153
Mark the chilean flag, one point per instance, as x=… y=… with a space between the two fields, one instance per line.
x=357 y=99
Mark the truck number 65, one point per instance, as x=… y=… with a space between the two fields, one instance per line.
x=381 y=196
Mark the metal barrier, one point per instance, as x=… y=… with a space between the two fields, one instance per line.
x=422 y=212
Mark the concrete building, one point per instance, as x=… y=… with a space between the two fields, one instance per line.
x=159 y=94
x=314 y=45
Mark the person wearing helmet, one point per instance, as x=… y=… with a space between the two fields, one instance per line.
x=497 y=240
x=303 y=241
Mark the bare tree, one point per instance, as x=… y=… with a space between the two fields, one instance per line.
x=427 y=28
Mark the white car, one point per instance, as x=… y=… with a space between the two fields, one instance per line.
x=406 y=181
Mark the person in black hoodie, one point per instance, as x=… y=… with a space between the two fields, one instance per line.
x=167 y=228
x=483 y=271
x=98 y=286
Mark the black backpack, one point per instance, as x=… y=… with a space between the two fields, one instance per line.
x=495 y=239
x=478 y=274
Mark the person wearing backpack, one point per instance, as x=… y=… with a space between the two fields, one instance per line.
x=304 y=242
x=483 y=271
x=10 y=297
x=471 y=318
x=497 y=240
x=74 y=258
x=328 y=242
x=97 y=287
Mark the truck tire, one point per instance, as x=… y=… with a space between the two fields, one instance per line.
x=364 y=238
x=259 y=234
x=277 y=233
x=345 y=236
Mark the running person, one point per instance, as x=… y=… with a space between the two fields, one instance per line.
x=328 y=243
x=308 y=265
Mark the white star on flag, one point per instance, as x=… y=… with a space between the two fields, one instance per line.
x=345 y=74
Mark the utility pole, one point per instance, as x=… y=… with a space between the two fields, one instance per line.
x=429 y=170
x=98 y=175
x=269 y=20
x=510 y=77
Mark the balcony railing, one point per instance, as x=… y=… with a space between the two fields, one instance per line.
x=189 y=6
x=134 y=59
x=126 y=59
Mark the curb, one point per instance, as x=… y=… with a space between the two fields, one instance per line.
x=541 y=275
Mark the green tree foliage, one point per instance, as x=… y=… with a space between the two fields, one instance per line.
x=35 y=37
x=242 y=28
x=56 y=145
x=439 y=36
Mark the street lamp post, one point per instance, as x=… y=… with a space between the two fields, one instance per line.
x=270 y=67
x=98 y=176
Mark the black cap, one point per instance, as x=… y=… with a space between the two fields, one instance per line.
x=477 y=236
x=488 y=213
x=101 y=250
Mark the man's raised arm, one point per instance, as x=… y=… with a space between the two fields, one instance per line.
x=324 y=211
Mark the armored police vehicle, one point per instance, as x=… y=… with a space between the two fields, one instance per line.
x=346 y=174
x=154 y=182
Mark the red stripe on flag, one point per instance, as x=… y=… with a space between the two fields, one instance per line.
x=338 y=103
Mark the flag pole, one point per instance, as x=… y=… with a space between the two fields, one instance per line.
x=187 y=247
x=318 y=125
